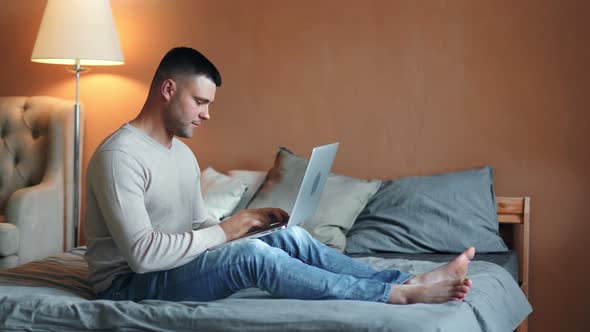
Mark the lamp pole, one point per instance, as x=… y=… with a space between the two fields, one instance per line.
x=93 y=21
x=77 y=69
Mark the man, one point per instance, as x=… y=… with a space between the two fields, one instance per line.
x=148 y=231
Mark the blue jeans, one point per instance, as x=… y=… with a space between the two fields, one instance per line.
x=289 y=264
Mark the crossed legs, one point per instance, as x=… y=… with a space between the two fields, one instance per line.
x=446 y=283
x=292 y=264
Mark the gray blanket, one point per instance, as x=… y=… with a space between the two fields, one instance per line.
x=495 y=303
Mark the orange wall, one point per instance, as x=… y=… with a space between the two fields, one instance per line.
x=407 y=87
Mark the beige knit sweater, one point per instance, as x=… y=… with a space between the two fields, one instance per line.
x=144 y=208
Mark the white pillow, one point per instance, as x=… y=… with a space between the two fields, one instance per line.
x=253 y=179
x=221 y=193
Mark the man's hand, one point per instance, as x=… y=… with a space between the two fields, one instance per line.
x=240 y=223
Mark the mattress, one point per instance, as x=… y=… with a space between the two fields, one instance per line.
x=495 y=303
x=507 y=260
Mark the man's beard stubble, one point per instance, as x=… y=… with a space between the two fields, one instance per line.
x=179 y=128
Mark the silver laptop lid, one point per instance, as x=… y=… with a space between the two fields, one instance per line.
x=312 y=186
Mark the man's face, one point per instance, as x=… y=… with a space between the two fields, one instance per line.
x=188 y=106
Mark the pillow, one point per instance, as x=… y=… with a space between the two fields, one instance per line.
x=342 y=200
x=253 y=179
x=66 y=271
x=221 y=193
x=440 y=213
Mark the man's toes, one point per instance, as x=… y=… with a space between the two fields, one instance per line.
x=470 y=252
x=460 y=290
x=463 y=289
x=467 y=282
x=459 y=295
x=459 y=282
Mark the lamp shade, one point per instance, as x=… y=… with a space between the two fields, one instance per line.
x=81 y=30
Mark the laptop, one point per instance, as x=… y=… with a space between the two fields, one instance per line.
x=308 y=197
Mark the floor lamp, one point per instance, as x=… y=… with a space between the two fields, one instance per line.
x=78 y=33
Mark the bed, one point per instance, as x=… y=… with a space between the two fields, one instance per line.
x=61 y=299
x=53 y=295
x=494 y=305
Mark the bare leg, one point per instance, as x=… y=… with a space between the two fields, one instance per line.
x=440 y=292
x=454 y=270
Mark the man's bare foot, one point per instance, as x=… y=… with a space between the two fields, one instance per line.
x=439 y=292
x=453 y=270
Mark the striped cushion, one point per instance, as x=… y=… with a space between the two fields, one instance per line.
x=67 y=271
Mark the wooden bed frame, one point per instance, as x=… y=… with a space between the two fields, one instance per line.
x=514 y=219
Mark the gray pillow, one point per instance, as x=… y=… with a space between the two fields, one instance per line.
x=440 y=213
x=341 y=202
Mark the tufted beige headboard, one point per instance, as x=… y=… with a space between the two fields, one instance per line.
x=23 y=152
x=36 y=157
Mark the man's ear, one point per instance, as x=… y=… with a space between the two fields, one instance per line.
x=168 y=89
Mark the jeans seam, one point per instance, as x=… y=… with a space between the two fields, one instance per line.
x=304 y=259
x=387 y=292
x=192 y=275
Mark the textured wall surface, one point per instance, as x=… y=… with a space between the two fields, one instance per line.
x=407 y=88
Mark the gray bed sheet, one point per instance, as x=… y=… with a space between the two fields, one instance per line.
x=508 y=260
x=495 y=303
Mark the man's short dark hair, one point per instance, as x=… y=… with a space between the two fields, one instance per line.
x=185 y=61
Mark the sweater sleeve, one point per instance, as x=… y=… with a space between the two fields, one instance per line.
x=118 y=183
